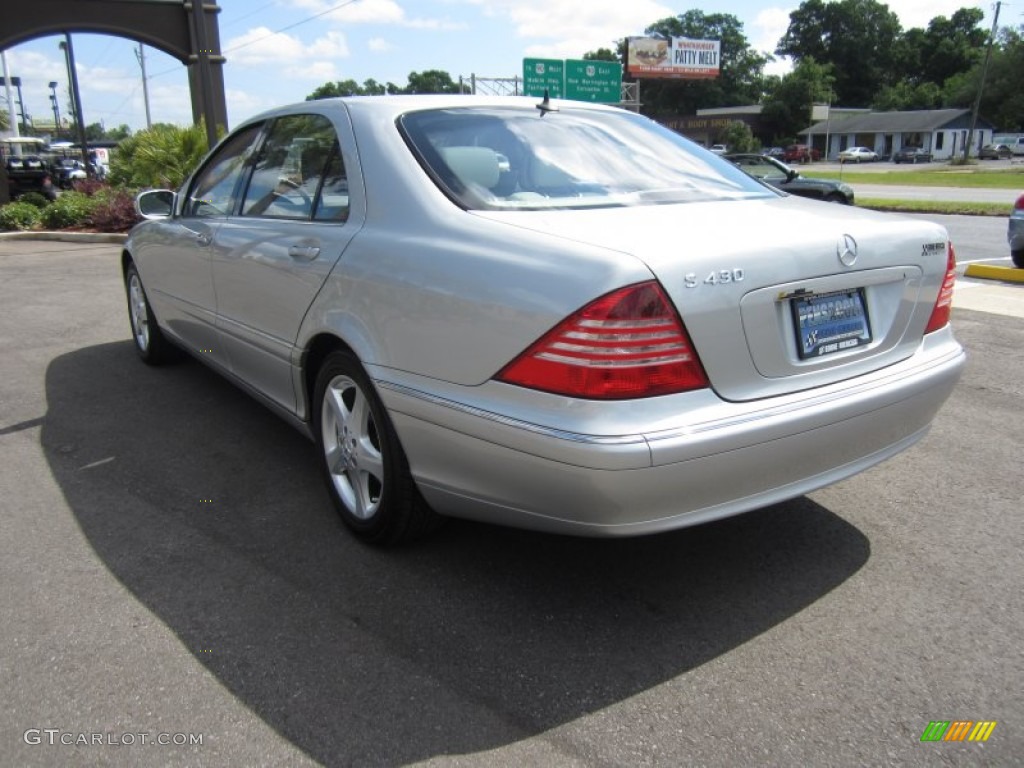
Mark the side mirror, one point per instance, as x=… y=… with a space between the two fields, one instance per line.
x=155 y=204
x=791 y=174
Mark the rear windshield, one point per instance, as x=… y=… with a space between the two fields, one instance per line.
x=511 y=158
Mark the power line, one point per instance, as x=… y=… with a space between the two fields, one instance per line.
x=267 y=36
x=244 y=16
x=291 y=26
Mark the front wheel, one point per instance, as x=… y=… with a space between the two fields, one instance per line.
x=366 y=470
x=1018 y=258
x=150 y=343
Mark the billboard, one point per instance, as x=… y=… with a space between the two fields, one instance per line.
x=678 y=57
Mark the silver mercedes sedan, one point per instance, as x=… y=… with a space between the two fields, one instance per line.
x=543 y=314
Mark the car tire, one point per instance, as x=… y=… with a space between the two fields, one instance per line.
x=835 y=197
x=150 y=343
x=1018 y=258
x=362 y=461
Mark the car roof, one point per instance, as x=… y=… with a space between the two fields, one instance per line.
x=393 y=106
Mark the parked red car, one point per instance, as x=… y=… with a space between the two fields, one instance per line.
x=801 y=153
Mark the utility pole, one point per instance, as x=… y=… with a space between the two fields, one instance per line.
x=140 y=54
x=76 y=101
x=10 y=96
x=981 y=85
x=56 y=107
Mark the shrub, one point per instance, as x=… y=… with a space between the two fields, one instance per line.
x=114 y=211
x=88 y=186
x=72 y=209
x=160 y=157
x=18 y=215
x=34 y=198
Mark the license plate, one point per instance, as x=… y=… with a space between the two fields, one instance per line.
x=830 y=322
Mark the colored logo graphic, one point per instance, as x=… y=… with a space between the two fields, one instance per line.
x=958 y=730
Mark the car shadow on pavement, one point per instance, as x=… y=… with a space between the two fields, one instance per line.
x=210 y=510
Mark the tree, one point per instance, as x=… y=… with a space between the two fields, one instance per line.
x=738 y=137
x=741 y=75
x=120 y=133
x=94 y=132
x=432 y=81
x=1002 y=100
x=787 y=105
x=601 y=54
x=160 y=157
x=370 y=87
x=332 y=90
x=906 y=95
x=857 y=37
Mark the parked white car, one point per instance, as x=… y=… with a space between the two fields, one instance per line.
x=857 y=155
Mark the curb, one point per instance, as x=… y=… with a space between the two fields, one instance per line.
x=989 y=272
x=68 y=237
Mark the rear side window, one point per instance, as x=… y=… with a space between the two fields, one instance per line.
x=290 y=167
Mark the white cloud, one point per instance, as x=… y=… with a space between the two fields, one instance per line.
x=167 y=104
x=917 y=13
x=259 y=47
x=317 y=71
x=588 y=25
x=379 y=45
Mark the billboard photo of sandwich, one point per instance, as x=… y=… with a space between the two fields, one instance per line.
x=679 y=57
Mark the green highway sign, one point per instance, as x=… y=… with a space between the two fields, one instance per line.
x=541 y=75
x=598 y=81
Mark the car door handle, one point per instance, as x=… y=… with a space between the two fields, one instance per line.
x=303 y=252
x=204 y=238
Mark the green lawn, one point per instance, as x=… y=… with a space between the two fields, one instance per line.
x=935 y=206
x=943 y=176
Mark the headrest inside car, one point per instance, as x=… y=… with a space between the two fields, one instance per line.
x=473 y=165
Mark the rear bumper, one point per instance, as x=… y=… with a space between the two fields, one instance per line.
x=709 y=459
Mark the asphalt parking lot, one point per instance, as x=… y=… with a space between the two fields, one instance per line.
x=171 y=567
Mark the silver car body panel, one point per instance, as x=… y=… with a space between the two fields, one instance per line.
x=435 y=300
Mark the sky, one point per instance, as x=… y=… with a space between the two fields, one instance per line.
x=279 y=51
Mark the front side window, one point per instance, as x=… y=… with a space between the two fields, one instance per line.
x=505 y=158
x=290 y=166
x=761 y=167
x=213 y=192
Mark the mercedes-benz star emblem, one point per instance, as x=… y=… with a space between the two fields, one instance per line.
x=847 y=250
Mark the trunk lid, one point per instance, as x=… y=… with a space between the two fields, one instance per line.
x=756 y=281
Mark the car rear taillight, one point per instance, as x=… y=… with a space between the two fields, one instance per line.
x=944 y=303
x=629 y=343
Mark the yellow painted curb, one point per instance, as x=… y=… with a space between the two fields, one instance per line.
x=988 y=272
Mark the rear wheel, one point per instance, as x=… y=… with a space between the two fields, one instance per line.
x=1018 y=258
x=150 y=343
x=363 y=463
